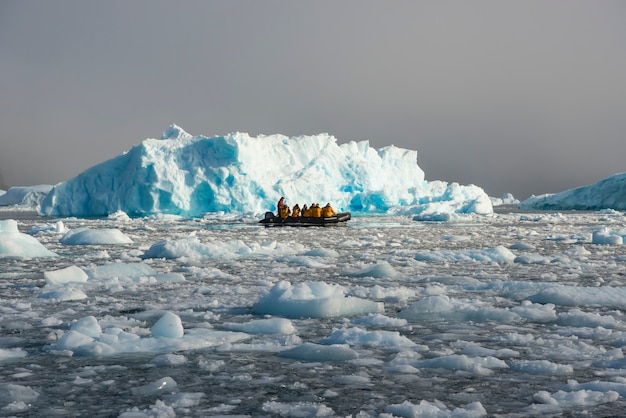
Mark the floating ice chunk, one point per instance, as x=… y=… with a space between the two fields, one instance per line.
x=86 y=236
x=379 y=320
x=606 y=237
x=312 y=300
x=505 y=199
x=169 y=360
x=322 y=252
x=476 y=365
x=317 y=352
x=498 y=254
x=12 y=353
x=578 y=318
x=564 y=399
x=114 y=340
x=264 y=326
x=169 y=326
x=437 y=217
x=119 y=216
x=159 y=410
x=532 y=259
x=381 y=269
x=88 y=326
x=163 y=385
x=10 y=393
x=442 y=308
x=359 y=336
x=119 y=270
x=598 y=386
x=192 y=248
x=14 y=244
x=522 y=246
x=430 y=304
x=544 y=367
x=577 y=251
x=73 y=339
x=535 y=312
x=57 y=228
x=436 y=410
x=298 y=409
x=67 y=275
x=65 y=294
x=607 y=296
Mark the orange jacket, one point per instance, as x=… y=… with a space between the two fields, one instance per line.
x=328 y=211
x=284 y=212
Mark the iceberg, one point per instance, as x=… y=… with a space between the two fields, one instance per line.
x=608 y=193
x=29 y=196
x=187 y=175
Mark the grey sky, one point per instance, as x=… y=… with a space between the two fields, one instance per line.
x=527 y=97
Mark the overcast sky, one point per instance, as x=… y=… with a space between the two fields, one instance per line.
x=527 y=97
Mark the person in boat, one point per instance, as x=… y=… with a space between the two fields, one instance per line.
x=280 y=205
x=328 y=211
x=305 y=211
x=284 y=212
x=296 y=211
x=316 y=211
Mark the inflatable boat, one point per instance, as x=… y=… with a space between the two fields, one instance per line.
x=339 y=219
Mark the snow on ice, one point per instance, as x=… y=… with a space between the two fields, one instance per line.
x=192 y=175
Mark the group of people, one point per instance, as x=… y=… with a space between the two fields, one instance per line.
x=313 y=211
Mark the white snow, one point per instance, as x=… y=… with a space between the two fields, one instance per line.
x=192 y=175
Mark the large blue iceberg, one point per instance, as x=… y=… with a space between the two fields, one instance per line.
x=609 y=193
x=193 y=175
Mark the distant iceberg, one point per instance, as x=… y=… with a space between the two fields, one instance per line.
x=189 y=175
x=505 y=199
x=29 y=196
x=609 y=193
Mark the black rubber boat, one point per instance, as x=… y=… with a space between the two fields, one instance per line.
x=337 y=220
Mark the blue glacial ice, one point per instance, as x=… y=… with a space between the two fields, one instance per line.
x=187 y=175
